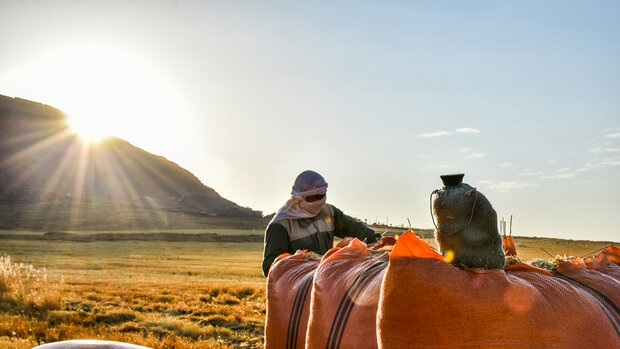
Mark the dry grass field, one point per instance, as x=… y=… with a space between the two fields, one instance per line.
x=161 y=294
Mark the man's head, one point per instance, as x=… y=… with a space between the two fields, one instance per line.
x=310 y=190
x=307 y=181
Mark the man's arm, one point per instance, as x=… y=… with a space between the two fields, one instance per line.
x=276 y=243
x=349 y=226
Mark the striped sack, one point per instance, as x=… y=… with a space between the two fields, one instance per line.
x=345 y=296
x=288 y=300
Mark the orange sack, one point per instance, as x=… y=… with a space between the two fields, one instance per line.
x=288 y=300
x=598 y=276
x=428 y=303
x=508 y=245
x=345 y=296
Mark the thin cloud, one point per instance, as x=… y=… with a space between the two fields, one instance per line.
x=586 y=167
x=511 y=185
x=610 y=162
x=467 y=130
x=529 y=173
x=434 y=134
x=561 y=173
x=560 y=176
x=604 y=150
x=462 y=130
x=612 y=135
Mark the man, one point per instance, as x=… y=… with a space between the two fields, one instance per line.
x=307 y=222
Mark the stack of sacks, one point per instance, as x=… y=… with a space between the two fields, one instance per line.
x=328 y=305
x=413 y=298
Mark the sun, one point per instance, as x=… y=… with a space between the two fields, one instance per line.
x=105 y=90
x=90 y=130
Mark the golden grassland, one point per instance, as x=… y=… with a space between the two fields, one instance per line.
x=160 y=294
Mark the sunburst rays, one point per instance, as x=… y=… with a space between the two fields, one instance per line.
x=56 y=170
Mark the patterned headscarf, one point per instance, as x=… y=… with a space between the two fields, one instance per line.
x=308 y=183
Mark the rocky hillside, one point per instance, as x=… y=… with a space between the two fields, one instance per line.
x=44 y=167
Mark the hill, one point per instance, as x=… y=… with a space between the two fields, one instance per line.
x=51 y=180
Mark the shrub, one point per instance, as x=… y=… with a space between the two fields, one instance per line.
x=24 y=289
x=18 y=278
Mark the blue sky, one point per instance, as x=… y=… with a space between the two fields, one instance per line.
x=381 y=97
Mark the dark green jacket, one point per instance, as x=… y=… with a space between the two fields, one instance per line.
x=314 y=234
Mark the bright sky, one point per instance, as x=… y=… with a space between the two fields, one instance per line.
x=381 y=97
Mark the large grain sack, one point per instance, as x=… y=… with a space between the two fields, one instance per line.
x=288 y=299
x=428 y=303
x=345 y=296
